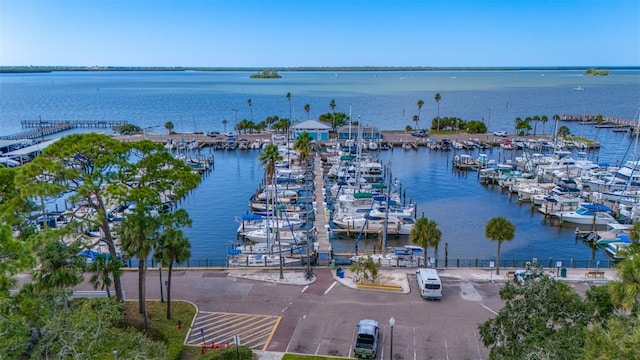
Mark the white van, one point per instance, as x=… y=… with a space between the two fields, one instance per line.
x=429 y=283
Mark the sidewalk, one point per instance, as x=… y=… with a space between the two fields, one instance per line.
x=399 y=276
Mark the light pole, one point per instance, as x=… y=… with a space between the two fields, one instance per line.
x=392 y=323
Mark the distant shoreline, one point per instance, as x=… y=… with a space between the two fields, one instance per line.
x=48 y=69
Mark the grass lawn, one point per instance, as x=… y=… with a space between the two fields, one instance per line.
x=163 y=329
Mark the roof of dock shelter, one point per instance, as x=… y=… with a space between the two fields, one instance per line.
x=311 y=125
x=7 y=143
x=32 y=149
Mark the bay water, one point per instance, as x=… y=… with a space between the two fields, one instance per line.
x=200 y=101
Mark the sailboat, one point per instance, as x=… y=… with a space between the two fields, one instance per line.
x=578 y=88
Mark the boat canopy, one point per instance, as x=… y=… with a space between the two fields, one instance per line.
x=246 y=217
x=363 y=195
x=596 y=207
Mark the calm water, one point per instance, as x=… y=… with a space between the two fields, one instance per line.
x=196 y=101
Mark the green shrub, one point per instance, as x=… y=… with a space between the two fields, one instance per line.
x=230 y=353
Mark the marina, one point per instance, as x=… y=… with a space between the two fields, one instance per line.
x=457 y=200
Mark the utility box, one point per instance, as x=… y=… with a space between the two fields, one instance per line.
x=563 y=272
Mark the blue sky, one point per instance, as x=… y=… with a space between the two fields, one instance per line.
x=290 y=33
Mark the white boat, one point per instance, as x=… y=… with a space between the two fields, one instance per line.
x=373 y=146
x=286 y=236
x=250 y=222
x=394 y=224
x=253 y=260
x=578 y=88
x=395 y=257
x=616 y=250
x=267 y=248
x=588 y=214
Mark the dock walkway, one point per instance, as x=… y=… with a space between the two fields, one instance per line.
x=321 y=221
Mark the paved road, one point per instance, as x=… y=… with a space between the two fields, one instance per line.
x=321 y=318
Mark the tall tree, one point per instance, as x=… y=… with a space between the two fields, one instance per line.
x=543 y=120
x=173 y=248
x=303 y=145
x=88 y=166
x=138 y=232
x=101 y=268
x=169 y=126
x=437 y=98
x=626 y=292
x=425 y=233
x=416 y=118
x=288 y=96
x=599 y=120
x=224 y=125
x=60 y=267
x=16 y=258
x=535 y=120
x=268 y=159
x=420 y=104
x=307 y=108
x=542 y=319
x=499 y=229
x=332 y=106
x=250 y=109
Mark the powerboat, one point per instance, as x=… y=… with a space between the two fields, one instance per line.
x=588 y=214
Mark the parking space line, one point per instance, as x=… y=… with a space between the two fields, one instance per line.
x=256 y=331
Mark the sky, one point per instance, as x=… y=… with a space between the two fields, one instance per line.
x=327 y=33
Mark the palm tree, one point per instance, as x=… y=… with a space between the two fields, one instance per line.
x=101 y=267
x=535 y=119
x=543 y=120
x=332 y=106
x=437 y=98
x=425 y=233
x=556 y=118
x=499 y=229
x=303 y=146
x=173 y=247
x=268 y=159
x=626 y=292
x=169 y=126
x=250 y=109
x=416 y=118
x=434 y=236
x=599 y=121
x=563 y=132
x=288 y=96
x=60 y=267
x=307 y=107
x=137 y=234
x=224 y=124
x=420 y=104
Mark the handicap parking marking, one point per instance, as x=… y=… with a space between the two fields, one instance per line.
x=254 y=331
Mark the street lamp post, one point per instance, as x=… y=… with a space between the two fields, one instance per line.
x=392 y=323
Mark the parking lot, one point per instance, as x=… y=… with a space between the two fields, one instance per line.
x=321 y=318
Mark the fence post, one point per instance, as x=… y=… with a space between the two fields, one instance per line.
x=457 y=262
x=573 y=265
x=476 y=262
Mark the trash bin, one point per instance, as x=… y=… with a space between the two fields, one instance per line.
x=563 y=272
x=333 y=264
x=341 y=275
x=338 y=271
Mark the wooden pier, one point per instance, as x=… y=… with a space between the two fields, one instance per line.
x=607 y=121
x=41 y=128
x=100 y=124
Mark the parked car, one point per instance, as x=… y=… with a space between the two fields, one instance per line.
x=419 y=133
x=501 y=133
x=228 y=133
x=212 y=134
x=366 y=344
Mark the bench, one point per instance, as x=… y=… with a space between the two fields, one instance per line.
x=510 y=274
x=594 y=274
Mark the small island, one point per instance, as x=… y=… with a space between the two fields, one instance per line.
x=266 y=74
x=596 y=72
